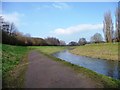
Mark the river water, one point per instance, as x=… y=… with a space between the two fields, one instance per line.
x=106 y=67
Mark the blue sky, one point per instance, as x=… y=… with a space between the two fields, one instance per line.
x=67 y=21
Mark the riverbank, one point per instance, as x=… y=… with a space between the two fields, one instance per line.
x=14 y=61
x=13 y=65
x=106 y=81
x=16 y=56
x=49 y=49
x=108 y=51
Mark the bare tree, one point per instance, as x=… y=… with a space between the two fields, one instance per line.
x=1 y=22
x=96 y=38
x=82 y=41
x=62 y=43
x=72 y=43
x=52 y=41
x=117 y=24
x=12 y=28
x=108 y=27
x=5 y=27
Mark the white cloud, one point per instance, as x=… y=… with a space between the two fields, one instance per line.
x=60 y=5
x=13 y=17
x=55 y=5
x=77 y=28
x=43 y=6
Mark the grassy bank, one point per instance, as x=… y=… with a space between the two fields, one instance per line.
x=0 y=66
x=14 y=65
x=107 y=51
x=0 y=61
x=101 y=80
x=12 y=58
x=49 y=49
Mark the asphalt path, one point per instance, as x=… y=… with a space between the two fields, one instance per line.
x=43 y=72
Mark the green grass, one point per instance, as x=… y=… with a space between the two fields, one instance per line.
x=15 y=57
x=49 y=49
x=0 y=63
x=12 y=57
x=100 y=79
x=14 y=63
x=107 y=51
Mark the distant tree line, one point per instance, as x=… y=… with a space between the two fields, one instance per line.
x=110 y=34
x=96 y=38
x=10 y=35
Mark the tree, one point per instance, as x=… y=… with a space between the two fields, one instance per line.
x=82 y=41
x=10 y=35
x=72 y=43
x=117 y=21
x=62 y=43
x=52 y=41
x=12 y=28
x=5 y=31
x=1 y=22
x=108 y=27
x=96 y=38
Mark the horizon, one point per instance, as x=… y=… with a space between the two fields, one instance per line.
x=66 y=21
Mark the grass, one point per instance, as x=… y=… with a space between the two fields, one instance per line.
x=14 y=63
x=107 y=51
x=49 y=49
x=12 y=58
x=0 y=66
x=0 y=61
x=100 y=79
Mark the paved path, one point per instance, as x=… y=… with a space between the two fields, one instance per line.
x=45 y=73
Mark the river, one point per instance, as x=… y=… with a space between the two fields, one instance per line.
x=105 y=67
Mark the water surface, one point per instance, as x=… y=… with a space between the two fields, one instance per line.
x=106 y=67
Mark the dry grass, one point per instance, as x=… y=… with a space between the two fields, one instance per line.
x=107 y=51
x=48 y=49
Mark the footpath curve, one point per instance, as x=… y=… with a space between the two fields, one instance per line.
x=43 y=72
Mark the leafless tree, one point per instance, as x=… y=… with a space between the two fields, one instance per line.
x=1 y=22
x=73 y=43
x=108 y=27
x=52 y=41
x=62 y=43
x=117 y=24
x=96 y=38
x=12 y=28
x=82 y=41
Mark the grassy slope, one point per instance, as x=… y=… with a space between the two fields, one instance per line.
x=0 y=61
x=49 y=49
x=107 y=51
x=107 y=82
x=12 y=57
x=0 y=66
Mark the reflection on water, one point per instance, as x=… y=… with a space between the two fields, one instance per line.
x=106 y=67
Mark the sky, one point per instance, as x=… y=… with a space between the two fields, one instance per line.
x=66 y=21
